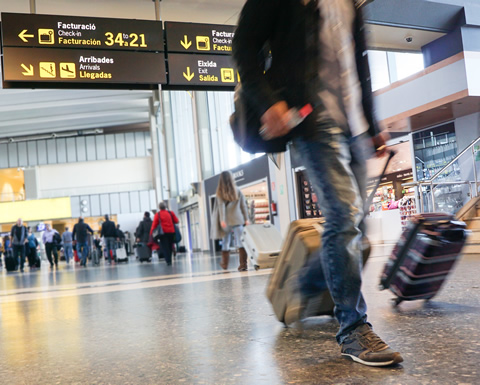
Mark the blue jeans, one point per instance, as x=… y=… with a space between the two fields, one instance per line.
x=82 y=250
x=335 y=164
x=68 y=251
x=111 y=244
x=227 y=239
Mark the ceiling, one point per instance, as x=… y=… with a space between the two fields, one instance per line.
x=29 y=112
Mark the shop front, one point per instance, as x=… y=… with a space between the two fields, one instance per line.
x=255 y=182
x=392 y=203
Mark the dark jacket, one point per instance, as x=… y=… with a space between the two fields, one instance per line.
x=79 y=232
x=120 y=235
x=18 y=234
x=289 y=30
x=109 y=230
x=143 y=230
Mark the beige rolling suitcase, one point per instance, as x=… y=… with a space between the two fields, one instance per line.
x=302 y=241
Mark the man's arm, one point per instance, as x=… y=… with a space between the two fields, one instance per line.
x=89 y=229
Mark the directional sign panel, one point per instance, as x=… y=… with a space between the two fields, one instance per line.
x=201 y=70
x=199 y=38
x=51 y=31
x=83 y=66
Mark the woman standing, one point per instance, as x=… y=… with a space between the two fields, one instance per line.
x=232 y=214
x=167 y=220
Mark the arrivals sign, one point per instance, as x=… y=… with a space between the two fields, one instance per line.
x=51 y=31
x=201 y=70
x=83 y=66
x=90 y=52
x=199 y=38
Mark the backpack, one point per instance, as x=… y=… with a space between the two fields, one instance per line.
x=245 y=124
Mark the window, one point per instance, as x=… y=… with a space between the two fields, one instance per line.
x=389 y=67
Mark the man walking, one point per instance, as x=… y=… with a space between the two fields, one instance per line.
x=67 y=240
x=80 y=235
x=318 y=58
x=19 y=236
x=48 y=239
x=110 y=235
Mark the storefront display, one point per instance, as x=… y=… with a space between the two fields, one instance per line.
x=258 y=203
x=407 y=208
x=384 y=196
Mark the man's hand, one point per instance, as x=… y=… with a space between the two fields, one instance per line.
x=223 y=224
x=379 y=142
x=275 y=121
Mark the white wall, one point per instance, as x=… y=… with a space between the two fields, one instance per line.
x=97 y=177
x=129 y=222
x=432 y=86
x=467 y=129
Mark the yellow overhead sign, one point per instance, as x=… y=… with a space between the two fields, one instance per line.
x=36 y=210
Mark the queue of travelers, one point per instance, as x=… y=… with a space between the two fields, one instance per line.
x=22 y=246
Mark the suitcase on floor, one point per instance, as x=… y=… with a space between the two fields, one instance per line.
x=75 y=255
x=144 y=253
x=423 y=257
x=121 y=254
x=263 y=244
x=303 y=241
x=96 y=254
x=10 y=261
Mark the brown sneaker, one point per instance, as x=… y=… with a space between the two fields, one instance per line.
x=367 y=348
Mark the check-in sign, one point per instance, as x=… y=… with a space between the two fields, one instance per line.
x=199 y=38
x=201 y=70
x=56 y=31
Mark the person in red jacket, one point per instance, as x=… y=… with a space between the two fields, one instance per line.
x=166 y=219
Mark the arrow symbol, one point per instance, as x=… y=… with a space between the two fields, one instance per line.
x=185 y=43
x=189 y=76
x=23 y=35
x=28 y=71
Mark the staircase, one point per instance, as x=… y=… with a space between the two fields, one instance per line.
x=470 y=214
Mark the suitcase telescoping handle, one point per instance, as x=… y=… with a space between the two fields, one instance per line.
x=368 y=202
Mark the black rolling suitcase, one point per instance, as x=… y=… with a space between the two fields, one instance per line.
x=10 y=261
x=144 y=253
x=423 y=257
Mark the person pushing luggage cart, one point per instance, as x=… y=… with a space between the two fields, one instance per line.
x=318 y=66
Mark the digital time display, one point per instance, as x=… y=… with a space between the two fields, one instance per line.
x=53 y=31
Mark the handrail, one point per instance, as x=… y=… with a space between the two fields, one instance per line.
x=454 y=159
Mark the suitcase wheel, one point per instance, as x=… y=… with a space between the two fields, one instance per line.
x=256 y=267
x=396 y=301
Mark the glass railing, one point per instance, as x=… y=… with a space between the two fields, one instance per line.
x=452 y=186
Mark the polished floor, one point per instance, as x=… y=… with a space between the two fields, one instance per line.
x=194 y=324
